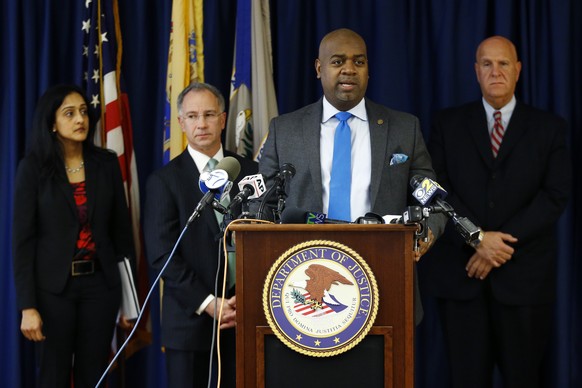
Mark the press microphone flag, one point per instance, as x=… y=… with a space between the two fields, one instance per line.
x=256 y=182
x=426 y=190
x=216 y=183
x=251 y=186
x=293 y=215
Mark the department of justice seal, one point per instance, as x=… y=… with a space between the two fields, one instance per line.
x=320 y=298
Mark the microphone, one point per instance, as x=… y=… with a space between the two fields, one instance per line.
x=251 y=186
x=427 y=191
x=293 y=215
x=286 y=172
x=216 y=184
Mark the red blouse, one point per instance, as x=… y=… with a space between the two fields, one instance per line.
x=85 y=249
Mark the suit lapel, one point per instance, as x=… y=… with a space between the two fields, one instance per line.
x=477 y=125
x=92 y=185
x=67 y=190
x=311 y=125
x=515 y=130
x=379 y=125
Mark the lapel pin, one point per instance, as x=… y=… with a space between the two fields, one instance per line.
x=380 y=121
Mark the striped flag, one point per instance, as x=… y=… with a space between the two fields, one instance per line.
x=307 y=308
x=102 y=50
x=185 y=65
x=253 y=102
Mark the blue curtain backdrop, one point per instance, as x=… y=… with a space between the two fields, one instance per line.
x=421 y=60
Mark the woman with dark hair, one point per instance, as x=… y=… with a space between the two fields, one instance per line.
x=71 y=225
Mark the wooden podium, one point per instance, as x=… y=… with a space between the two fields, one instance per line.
x=384 y=358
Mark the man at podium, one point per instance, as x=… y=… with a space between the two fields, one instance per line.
x=351 y=155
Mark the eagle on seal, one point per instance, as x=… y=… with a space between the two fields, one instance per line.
x=321 y=279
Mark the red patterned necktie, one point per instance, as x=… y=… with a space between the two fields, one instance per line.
x=497 y=133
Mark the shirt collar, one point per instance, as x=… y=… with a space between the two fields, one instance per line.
x=201 y=160
x=329 y=110
x=506 y=111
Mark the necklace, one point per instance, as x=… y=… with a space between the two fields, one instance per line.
x=75 y=170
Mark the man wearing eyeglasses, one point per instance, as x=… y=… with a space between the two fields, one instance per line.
x=188 y=304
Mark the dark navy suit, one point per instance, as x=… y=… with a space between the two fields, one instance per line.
x=521 y=192
x=171 y=196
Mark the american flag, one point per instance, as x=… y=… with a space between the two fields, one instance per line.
x=307 y=310
x=101 y=52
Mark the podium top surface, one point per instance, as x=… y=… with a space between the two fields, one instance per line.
x=258 y=227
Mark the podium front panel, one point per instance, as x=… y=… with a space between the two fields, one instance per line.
x=385 y=358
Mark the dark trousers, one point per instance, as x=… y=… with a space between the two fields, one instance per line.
x=482 y=333
x=190 y=369
x=78 y=325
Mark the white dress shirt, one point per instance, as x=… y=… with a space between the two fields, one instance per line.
x=361 y=156
x=506 y=113
x=201 y=161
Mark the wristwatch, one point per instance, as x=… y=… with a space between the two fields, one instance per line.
x=475 y=243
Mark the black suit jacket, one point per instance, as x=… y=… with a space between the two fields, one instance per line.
x=522 y=192
x=46 y=225
x=172 y=193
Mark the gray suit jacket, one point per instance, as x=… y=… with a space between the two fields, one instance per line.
x=295 y=138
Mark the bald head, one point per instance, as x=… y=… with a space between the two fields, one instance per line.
x=499 y=41
x=342 y=66
x=338 y=35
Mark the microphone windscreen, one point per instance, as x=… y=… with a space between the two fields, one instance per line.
x=415 y=181
x=293 y=215
x=288 y=169
x=231 y=166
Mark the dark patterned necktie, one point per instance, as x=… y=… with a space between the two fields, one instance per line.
x=497 y=133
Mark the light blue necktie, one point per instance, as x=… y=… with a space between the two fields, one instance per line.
x=341 y=170
x=212 y=164
x=219 y=217
x=225 y=202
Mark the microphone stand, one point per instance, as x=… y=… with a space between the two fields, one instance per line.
x=279 y=188
x=465 y=227
x=281 y=196
x=286 y=172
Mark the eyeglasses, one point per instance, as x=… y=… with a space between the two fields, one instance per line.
x=208 y=117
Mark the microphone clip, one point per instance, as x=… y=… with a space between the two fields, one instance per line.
x=216 y=205
x=417 y=215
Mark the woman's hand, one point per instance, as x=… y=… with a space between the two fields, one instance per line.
x=31 y=325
